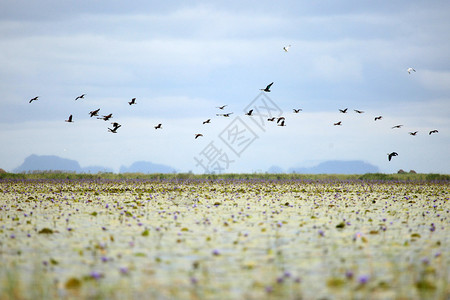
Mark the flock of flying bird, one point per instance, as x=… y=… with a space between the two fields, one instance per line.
x=94 y=113
x=279 y=120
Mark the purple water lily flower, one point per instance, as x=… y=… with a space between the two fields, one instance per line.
x=363 y=279
x=96 y=275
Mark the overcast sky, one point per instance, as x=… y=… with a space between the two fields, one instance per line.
x=182 y=59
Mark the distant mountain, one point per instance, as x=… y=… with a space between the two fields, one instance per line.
x=338 y=167
x=146 y=167
x=55 y=163
x=46 y=163
x=275 y=170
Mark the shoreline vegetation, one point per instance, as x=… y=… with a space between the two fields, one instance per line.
x=402 y=177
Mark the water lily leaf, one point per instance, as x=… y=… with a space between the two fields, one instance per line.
x=72 y=283
x=425 y=285
x=45 y=231
x=335 y=282
x=340 y=225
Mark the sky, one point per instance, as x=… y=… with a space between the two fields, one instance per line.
x=183 y=59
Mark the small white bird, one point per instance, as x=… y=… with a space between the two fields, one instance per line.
x=410 y=70
x=286 y=48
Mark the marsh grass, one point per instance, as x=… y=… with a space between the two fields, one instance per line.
x=60 y=175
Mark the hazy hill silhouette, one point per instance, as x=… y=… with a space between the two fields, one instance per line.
x=146 y=167
x=338 y=167
x=55 y=163
x=275 y=170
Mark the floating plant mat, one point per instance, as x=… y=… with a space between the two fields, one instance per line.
x=229 y=239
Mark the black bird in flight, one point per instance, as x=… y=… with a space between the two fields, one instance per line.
x=33 y=99
x=80 y=97
x=413 y=133
x=390 y=155
x=94 y=112
x=338 y=123
x=222 y=107
x=224 y=115
x=116 y=125
x=70 y=119
x=267 y=89
x=159 y=126
x=397 y=126
x=378 y=118
x=207 y=121
x=249 y=113
x=296 y=111
x=106 y=118
x=114 y=130
x=271 y=119
x=282 y=123
x=433 y=131
x=197 y=135
x=344 y=111
x=133 y=101
x=358 y=111
x=280 y=119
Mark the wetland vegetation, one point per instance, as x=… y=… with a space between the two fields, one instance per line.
x=240 y=236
